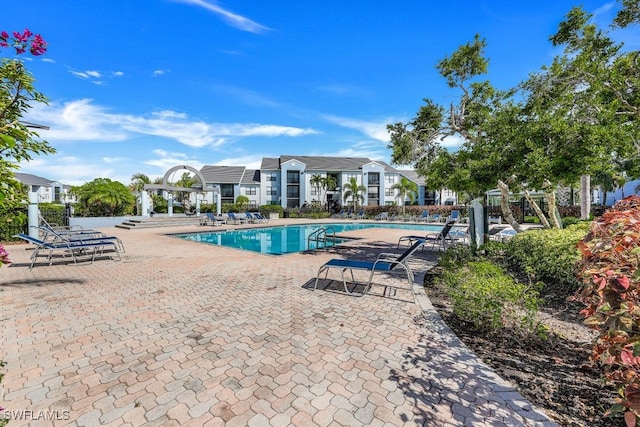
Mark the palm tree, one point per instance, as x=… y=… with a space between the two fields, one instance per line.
x=328 y=182
x=406 y=189
x=316 y=181
x=138 y=181
x=353 y=190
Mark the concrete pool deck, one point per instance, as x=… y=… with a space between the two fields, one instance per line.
x=184 y=333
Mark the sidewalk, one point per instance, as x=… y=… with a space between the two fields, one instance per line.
x=182 y=333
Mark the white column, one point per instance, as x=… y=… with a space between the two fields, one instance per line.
x=32 y=211
x=144 y=202
x=170 y=203
x=218 y=204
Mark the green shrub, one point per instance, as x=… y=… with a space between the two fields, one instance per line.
x=547 y=256
x=570 y=220
x=267 y=209
x=456 y=256
x=485 y=296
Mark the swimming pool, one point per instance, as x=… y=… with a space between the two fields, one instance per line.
x=280 y=240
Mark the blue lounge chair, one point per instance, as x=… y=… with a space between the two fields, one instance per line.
x=384 y=263
x=82 y=236
x=435 y=218
x=455 y=216
x=439 y=238
x=382 y=216
x=251 y=218
x=424 y=216
x=235 y=219
x=261 y=218
x=211 y=219
x=75 y=249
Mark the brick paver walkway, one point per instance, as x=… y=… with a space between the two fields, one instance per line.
x=182 y=333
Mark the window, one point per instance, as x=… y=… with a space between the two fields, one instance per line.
x=250 y=191
x=226 y=193
x=293 y=177
x=373 y=178
x=272 y=176
x=272 y=191
x=293 y=196
x=350 y=175
x=293 y=191
x=314 y=191
x=389 y=192
x=391 y=179
x=253 y=204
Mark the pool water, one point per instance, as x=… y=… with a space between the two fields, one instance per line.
x=279 y=240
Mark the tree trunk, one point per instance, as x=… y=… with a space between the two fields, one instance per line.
x=506 y=210
x=585 y=196
x=534 y=205
x=551 y=200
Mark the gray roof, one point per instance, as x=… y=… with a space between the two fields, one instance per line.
x=251 y=176
x=270 y=163
x=323 y=163
x=29 y=179
x=223 y=174
x=413 y=176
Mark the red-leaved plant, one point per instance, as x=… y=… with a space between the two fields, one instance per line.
x=611 y=291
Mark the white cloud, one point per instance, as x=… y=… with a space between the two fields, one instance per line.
x=165 y=160
x=235 y=20
x=157 y=73
x=375 y=130
x=80 y=120
x=113 y=159
x=252 y=161
x=118 y=73
x=68 y=170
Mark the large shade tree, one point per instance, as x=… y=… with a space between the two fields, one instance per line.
x=570 y=119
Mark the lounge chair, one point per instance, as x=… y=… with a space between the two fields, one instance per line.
x=211 y=219
x=260 y=217
x=424 y=217
x=459 y=234
x=339 y=214
x=382 y=216
x=384 y=263
x=231 y=217
x=360 y=214
x=84 y=236
x=435 y=218
x=439 y=238
x=455 y=216
x=250 y=218
x=75 y=249
x=502 y=234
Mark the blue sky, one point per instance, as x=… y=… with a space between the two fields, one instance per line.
x=144 y=85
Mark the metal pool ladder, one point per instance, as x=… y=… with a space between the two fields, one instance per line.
x=321 y=236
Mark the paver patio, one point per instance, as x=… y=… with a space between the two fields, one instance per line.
x=182 y=333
